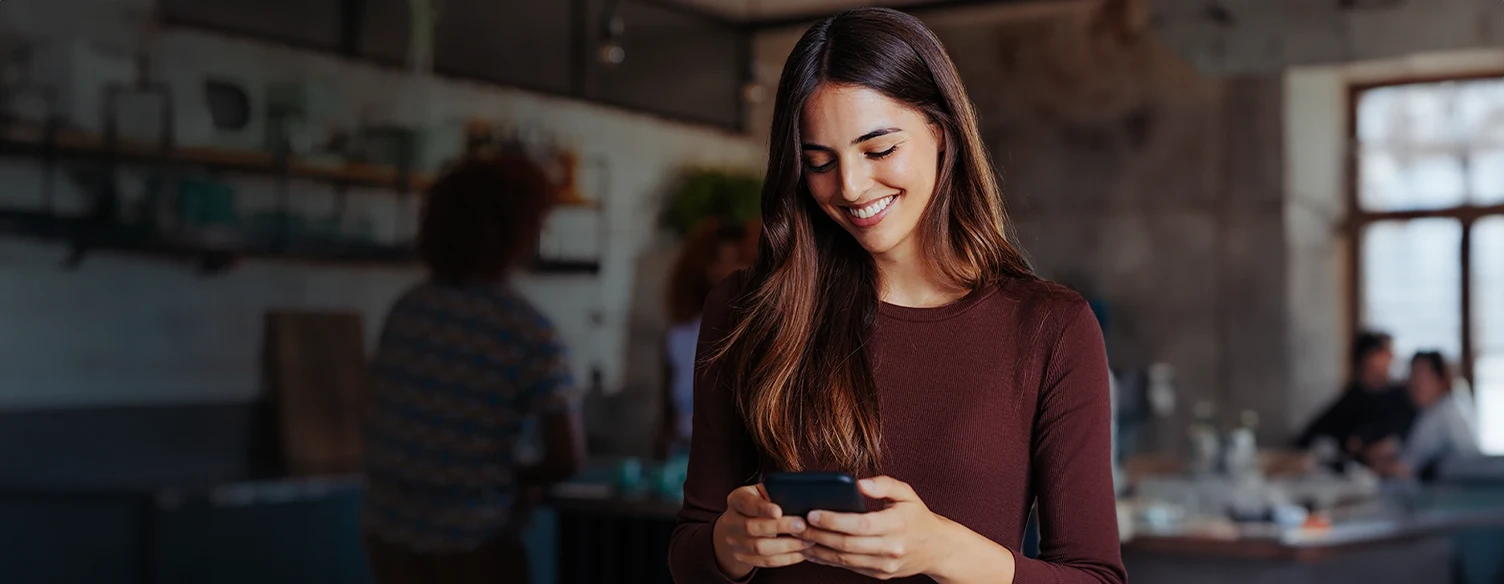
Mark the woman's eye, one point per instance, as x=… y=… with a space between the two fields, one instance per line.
x=883 y=154
x=812 y=167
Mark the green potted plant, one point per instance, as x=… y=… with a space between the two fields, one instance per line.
x=702 y=193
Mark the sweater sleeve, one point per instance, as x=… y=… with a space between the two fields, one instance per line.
x=722 y=456
x=1072 y=464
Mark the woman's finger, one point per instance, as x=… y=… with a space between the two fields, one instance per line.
x=830 y=557
x=858 y=544
x=748 y=501
x=777 y=561
x=889 y=488
x=775 y=527
x=874 y=523
x=774 y=546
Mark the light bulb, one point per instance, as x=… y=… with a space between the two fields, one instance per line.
x=612 y=53
x=754 y=92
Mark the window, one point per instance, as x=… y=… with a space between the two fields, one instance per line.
x=1428 y=211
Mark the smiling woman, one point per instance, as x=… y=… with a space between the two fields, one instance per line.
x=890 y=329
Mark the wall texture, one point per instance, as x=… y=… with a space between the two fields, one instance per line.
x=1133 y=178
x=125 y=331
x=1266 y=36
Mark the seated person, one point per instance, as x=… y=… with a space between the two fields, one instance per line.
x=1371 y=408
x=1443 y=429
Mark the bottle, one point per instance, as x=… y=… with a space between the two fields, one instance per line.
x=1241 y=457
x=1205 y=442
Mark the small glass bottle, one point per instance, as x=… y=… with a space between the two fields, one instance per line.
x=1205 y=443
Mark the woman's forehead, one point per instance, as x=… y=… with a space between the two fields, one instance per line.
x=835 y=115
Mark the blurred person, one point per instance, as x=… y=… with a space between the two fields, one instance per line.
x=710 y=253
x=1444 y=428
x=1372 y=407
x=891 y=329
x=463 y=360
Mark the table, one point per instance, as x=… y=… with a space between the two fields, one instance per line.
x=1409 y=541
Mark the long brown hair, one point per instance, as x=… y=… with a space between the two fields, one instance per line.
x=689 y=284
x=795 y=357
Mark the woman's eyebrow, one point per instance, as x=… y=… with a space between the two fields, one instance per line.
x=859 y=140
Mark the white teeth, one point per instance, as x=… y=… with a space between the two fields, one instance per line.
x=871 y=209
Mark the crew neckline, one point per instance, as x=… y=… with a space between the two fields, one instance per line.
x=936 y=313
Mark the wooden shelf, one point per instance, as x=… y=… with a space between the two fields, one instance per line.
x=33 y=142
x=86 y=234
x=75 y=144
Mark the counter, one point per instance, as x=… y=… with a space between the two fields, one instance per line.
x=1416 y=540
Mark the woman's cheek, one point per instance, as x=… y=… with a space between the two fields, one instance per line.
x=898 y=172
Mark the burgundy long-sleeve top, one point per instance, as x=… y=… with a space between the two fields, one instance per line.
x=988 y=405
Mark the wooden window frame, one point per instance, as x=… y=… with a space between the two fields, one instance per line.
x=1358 y=219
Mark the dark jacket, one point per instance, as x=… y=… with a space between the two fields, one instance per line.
x=1369 y=415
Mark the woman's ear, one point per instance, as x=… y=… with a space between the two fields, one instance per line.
x=939 y=134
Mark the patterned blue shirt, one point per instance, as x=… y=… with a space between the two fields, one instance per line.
x=457 y=372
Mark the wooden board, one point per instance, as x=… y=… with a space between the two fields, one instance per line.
x=314 y=371
x=69 y=142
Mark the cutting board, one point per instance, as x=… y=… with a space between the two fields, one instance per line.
x=314 y=371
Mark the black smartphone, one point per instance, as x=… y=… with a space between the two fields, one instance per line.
x=798 y=493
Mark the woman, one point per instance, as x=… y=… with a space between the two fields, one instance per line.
x=1444 y=428
x=713 y=251
x=462 y=360
x=890 y=329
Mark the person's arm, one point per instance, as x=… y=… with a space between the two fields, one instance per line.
x=549 y=392
x=1463 y=431
x=1072 y=465
x=1332 y=422
x=722 y=458
x=1440 y=432
x=563 y=449
x=668 y=414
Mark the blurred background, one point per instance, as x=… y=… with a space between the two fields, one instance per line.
x=207 y=208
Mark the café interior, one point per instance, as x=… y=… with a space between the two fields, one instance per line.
x=208 y=208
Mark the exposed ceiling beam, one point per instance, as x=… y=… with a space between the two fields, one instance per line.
x=916 y=9
x=755 y=24
x=695 y=11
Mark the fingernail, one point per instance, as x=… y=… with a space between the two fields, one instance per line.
x=796 y=525
x=815 y=516
x=867 y=483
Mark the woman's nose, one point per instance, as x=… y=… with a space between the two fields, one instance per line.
x=856 y=179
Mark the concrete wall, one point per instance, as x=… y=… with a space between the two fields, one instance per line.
x=125 y=330
x=1266 y=36
x=1134 y=179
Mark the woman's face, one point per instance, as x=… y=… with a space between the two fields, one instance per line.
x=1425 y=385
x=870 y=162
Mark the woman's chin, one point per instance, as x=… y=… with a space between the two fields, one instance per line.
x=875 y=243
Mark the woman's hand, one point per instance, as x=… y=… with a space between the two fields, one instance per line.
x=753 y=533
x=903 y=540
